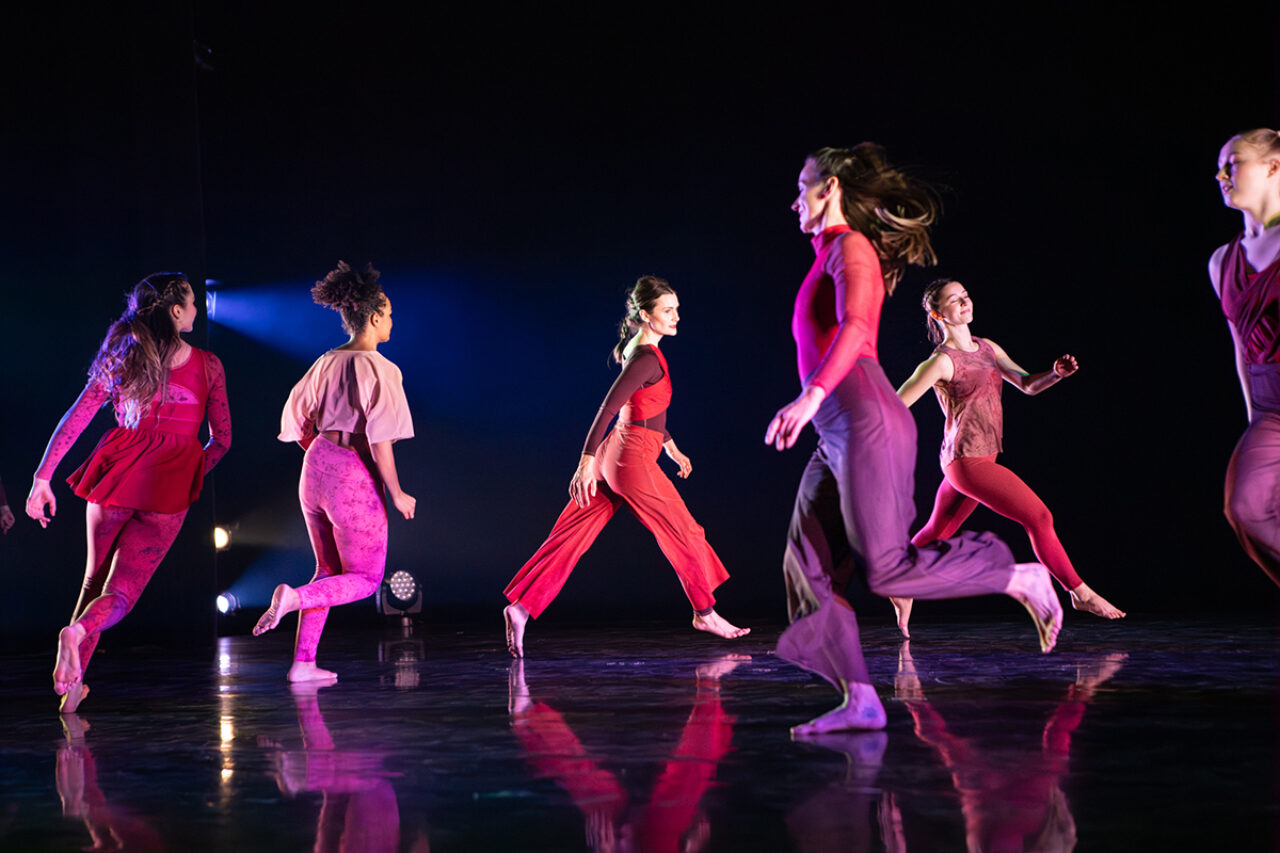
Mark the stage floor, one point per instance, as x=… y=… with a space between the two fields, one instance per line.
x=1149 y=734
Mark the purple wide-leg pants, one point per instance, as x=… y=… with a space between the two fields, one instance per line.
x=852 y=513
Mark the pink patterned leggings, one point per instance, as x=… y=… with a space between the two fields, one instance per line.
x=347 y=524
x=125 y=547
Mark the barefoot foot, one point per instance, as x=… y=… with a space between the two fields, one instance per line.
x=516 y=617
x=1030 y=586
x=66 y=671
x=72 y=698
x=714 y=623
x=306 y=670
x=283 y=600
x=902 y=607
x=860 y=711
x=1084 y=598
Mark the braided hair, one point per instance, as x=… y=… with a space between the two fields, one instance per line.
x=132 y=363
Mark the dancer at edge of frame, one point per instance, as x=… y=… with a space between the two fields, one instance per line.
x=867 y=221
x=622 y=468
x=966 y=374
x=345 y=412
x=146 y=472
x=1246 y=276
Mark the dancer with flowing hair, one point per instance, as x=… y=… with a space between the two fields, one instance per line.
x=146 y=472
x=867 y=221
x=346 y=412
x=1246 y=276
x=622 y=468
x=967 y=373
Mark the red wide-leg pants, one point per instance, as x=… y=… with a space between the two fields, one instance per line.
x=627 y=462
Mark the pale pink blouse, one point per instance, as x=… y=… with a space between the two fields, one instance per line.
x=356 y=391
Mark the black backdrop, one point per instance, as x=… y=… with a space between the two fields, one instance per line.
x=511 y=173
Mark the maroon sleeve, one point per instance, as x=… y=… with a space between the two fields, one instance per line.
x=70 y=427
x=217 y=410
x=643 y=368
x=4 y=499
x=855 y=268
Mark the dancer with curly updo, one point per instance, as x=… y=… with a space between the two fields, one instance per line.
x=146 y=472
x=1246 y=276
x=622 y=468
x=346 y=412
x=867 y=221
x=967 y=373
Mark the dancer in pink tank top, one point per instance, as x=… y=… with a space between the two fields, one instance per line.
x=967 y=374
x=1246 y=276
x=346 y=412
x=146 y=472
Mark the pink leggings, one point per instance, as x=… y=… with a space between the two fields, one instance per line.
x=981 y=480
x=348 y=528
x=125 y=547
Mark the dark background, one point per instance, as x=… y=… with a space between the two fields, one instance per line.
x=512 y=173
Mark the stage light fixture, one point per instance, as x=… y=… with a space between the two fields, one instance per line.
x=400 y=595
x=228 y=603
x=221 y=538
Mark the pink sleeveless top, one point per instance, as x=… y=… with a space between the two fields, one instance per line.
x=1251 y=301
x=975 y=418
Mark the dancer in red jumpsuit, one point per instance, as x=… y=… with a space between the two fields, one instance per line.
x=146 y=472
x=967 y=373
x=622 y=468
x=867 y=221
x=346 y=412
x=1246 y=276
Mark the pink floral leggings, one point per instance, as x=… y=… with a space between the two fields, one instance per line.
x=347 y=523
x=125 y=547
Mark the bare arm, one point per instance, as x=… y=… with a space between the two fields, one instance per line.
x=682 y=461
x=1029 y=383
x=385 y=461
x=931 y=371
x=1242 y=367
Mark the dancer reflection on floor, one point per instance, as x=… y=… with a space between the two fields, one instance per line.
x=1009 y=802
x=146 y=472
x=1246 y=276
x=76 y=777
x=622 y=469
x=670 y=821
x=6 y=513
x=359 y=811
x=868 y=221
x=345 y=412
x=966 y=373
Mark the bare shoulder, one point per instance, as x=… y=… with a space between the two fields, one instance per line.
x=1215 y=267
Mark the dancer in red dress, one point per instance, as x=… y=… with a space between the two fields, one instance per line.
x=1246 y=276
x=868 y=221
x=967 y=373
x=145 y=473
x=346 y=412
x=622 y=469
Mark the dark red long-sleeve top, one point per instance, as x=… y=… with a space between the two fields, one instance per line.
x=641 y=393
x=837 y=313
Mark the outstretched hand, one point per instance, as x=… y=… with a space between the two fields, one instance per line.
x=582 y=487
x=786 y=425
x=1065 y=366
x=41 y=496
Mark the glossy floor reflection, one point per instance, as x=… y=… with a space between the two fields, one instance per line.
x=1139 y=735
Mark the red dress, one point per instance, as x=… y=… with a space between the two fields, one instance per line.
x=158 y=465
